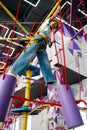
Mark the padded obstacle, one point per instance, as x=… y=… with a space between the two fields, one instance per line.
x=69 y=107
x=22 y=109
x=7 y=87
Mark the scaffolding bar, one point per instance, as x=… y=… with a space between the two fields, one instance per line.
x=13 y=17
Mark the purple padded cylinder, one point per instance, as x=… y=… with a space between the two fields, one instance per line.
x=69 y=107
x=7 y=87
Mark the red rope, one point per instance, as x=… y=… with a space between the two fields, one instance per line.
x=57 y=55
x=65 y=72
x=79 y=77
x=84 y=7
x=48 y=103
x=41 y=89
x=54 y=39
x=9 y=51
x=79 y=23
x=36 y=101
x=80 y=100
x=60 y=50
x=32 y=27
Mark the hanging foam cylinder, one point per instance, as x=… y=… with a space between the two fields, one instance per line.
x=7 y=87
x=69 y=107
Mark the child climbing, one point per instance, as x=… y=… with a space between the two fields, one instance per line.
x=37 y=47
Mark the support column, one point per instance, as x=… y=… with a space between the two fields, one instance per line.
x=26 y=103
x=7 y=87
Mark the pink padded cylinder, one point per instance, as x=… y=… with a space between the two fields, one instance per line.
x=7 y=87
x=69 y=107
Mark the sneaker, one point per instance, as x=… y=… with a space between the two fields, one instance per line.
x=55 y=85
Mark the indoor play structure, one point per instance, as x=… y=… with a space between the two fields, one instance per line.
x=67 y=52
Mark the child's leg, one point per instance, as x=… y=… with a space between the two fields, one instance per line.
x=45 y=66
x=22 y=62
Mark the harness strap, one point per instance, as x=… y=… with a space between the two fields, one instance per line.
x=37 y=41
x=34 y=41
x=44 y=37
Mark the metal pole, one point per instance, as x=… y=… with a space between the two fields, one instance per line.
x=13 y=17
x=55 y=7
x=15 y=39
x=26 y=103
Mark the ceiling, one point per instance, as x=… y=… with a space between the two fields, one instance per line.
x=28 y=14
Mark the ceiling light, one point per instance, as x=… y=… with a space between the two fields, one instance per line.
x=34 y=5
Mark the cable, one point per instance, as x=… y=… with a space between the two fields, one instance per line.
x=7 y=59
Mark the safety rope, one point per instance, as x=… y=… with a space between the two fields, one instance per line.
x=62 y=38
x=43 y=102
x=9 y=51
